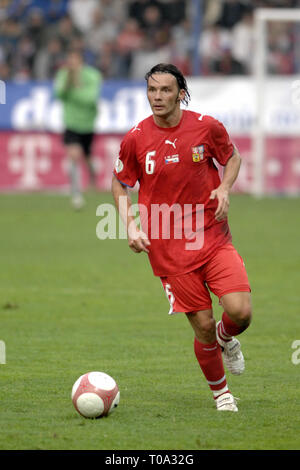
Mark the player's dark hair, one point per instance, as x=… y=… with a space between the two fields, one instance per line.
x=173 y=70
x=75 y=50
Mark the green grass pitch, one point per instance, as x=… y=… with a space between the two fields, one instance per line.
x=70 y=303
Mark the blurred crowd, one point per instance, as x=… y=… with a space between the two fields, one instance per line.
x=125 y=38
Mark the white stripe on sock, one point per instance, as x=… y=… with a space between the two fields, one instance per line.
x=216 y=393
x=217 y=382
x=222 y=333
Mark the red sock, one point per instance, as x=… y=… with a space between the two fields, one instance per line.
x=228 y=328
x=210 y=360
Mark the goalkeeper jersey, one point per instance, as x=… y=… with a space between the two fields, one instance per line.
x=80 y=102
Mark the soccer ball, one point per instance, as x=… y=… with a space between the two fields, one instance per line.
x=95 y=394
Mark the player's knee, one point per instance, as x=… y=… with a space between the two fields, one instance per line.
x=243 y=315
x=204 y=325
x=208 y=329
x=74 y=153
x=239 y=309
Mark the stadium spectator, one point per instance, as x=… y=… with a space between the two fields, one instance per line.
x=137 y=9
x=182 y=45
x=82 y=13
x=3 y=9
x=243 y=41
x=36 y=28
x=212 y=42
x=280 y=42
x=49 y=59
x=152 y=20
x=65 y=30
x=11 y=32
x=174 y=11
x=114 y=10
x=212 y=12
x=5 y=72
x=109 y=61
x=227 y=64
x=103 y=25
x=149 y=54
x=22 y=60
x=232 y=12
x=55 y=10
x=101 y=30
x=129 y=41
x=52 y=10
x=130 y=37
x=19 y=9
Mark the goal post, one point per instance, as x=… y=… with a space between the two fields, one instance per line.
x=261 y=17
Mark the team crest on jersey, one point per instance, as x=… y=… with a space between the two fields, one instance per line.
x=119 y=165
x=198 y=153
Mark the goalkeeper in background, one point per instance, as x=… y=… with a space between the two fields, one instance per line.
x=78 y=87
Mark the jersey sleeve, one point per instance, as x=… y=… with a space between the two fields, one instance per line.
x=126 y=167
x=220 y=143
x=60 y=84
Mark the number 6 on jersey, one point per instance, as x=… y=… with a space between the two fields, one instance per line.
x=150 y=164
x=170 y=297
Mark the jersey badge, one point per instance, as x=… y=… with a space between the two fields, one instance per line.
x=119 y=165
x=198 y=153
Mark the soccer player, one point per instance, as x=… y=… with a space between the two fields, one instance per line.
x=78 y=86
x=171 y=154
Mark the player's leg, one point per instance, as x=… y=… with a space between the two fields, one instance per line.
x=235 y=319
x=91 y=170
x=237 y=314
x=87 y=140
x=74 y=154
x=188 y=293
x=237 y=306
x=227 y=278
x=209 y=357
x=203 y=324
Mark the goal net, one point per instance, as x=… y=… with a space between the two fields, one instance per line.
x=265 y=88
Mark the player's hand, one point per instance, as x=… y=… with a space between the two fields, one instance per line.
x=73 y=77
x=137 y=240
x=223 y=202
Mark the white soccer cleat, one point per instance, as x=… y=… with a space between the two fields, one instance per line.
x=226 y=402
x=78 y=202
x=232 y=354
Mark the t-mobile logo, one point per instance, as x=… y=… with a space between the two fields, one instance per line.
x=30 y=157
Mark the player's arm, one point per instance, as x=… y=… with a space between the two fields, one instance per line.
x=61 y=84
x=231 y=171
x=137 y=240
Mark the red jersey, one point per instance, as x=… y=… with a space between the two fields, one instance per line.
x=176 y=172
